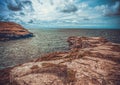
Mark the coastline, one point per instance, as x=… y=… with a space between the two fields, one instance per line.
x=45 y=41
x=13 y=31
x=92 y=60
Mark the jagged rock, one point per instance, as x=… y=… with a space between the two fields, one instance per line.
x=85 y=42
x=11 y=31
x=90 y=61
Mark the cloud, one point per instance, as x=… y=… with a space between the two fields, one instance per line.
x=13 y=5
x=83 y=5
x=114 y=10
x=69 y=11
x=68 y=8
x=109 y=10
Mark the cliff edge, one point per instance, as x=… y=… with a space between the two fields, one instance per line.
x=12 y=31
x=90 y=61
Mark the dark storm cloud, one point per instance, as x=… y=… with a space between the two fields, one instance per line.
x=114 y=10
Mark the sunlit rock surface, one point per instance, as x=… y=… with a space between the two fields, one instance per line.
x=11 y=31
x=90 y=61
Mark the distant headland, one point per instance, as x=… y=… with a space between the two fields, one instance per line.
x=13 y=31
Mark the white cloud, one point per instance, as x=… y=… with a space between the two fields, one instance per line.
x=83 y=5
x=109 y=10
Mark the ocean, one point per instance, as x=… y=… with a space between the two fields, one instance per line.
x=45 y=41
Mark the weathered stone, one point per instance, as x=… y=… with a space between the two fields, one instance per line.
x=12 y=31
x=95 y=62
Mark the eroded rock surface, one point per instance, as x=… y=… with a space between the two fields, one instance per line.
x=11 y=31
x=90 y=61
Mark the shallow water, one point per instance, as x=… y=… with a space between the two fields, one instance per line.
x=45 y=41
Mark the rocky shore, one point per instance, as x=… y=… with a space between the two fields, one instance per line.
x=90 y=61
x=12 y=31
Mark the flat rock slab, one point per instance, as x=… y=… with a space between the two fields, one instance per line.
x=12 y=31
x=90 y=61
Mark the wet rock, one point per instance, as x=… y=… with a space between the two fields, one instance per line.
x=12 y=31
x=90 y=61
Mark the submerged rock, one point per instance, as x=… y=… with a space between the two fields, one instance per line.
x=11 y=31
x=90 y=61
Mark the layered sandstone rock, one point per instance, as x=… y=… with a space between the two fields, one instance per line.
x=11 y=31
x=90 y=61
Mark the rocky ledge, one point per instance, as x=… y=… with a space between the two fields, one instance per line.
x=90 y=61
x=12 y=31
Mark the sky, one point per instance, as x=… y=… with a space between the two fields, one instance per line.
x=62 y=13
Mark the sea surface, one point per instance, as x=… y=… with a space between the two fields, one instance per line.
x=45 y=41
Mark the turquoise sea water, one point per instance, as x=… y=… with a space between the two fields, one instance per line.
x=19 y=51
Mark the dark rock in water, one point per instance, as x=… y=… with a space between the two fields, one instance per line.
x=12 y=31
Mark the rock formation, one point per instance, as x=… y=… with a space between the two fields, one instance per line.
x=11 y=31
x=90 y=61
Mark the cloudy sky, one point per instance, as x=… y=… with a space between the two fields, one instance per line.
x=62 y=13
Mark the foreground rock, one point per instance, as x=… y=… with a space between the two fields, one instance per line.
x=90 y=61
x=11 y=31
